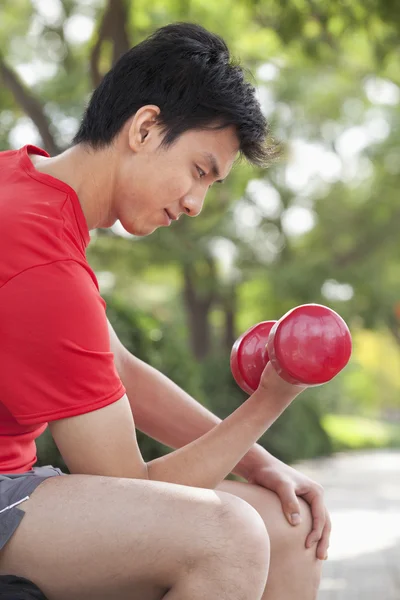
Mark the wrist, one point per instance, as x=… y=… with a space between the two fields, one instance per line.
x=277 y=389
x=255 y=458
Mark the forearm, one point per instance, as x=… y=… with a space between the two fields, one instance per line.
x=166 y=413
x=206 y=461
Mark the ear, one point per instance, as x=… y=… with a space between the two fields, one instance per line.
x=143 y=127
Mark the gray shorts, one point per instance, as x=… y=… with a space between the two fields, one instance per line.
x=14 y=489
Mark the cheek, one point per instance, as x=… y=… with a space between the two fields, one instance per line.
x=176 y=186
x=149 y=187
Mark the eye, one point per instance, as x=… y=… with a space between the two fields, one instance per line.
x=200 y=172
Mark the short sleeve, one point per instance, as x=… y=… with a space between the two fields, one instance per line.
x=55 y=357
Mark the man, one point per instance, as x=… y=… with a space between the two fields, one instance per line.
x=166 y=123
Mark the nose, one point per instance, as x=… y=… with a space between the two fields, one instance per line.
x=193 y=203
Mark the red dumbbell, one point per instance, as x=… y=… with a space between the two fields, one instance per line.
x=309 y=346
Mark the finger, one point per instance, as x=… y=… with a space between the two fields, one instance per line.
x=319 y=519
x=323 y=545
x=290 y=503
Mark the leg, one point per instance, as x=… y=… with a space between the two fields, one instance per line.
x=295 y=572
x=100 y=538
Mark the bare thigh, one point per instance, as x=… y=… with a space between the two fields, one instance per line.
x=90 y=537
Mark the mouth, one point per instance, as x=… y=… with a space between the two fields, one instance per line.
x=167 y=219
x=170 y=215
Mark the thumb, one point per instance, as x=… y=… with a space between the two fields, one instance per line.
x=290 y=504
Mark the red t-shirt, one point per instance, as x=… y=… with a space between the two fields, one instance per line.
x=55 y=358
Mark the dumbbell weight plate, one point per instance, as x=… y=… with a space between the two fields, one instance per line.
x=249 y=356
x=309 y=345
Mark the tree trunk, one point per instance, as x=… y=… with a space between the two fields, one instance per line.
x=30 y=106
x=230 y=309
x=112 y=27
x=198 y=305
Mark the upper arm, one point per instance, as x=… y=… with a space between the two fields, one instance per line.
x=58 y=367
x=101 y=442
x=55 y=351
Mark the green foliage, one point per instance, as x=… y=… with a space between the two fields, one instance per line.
x=298 y=433
x=355 y=433
x=156 y=344
x=153 y=342
x=328 y=76
x=48 y=453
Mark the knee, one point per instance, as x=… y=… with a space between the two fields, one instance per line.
x=303 y=530
x=287 y=538
x=246 y=530
x=288 y=545
x=234 y=540
x=288 y=548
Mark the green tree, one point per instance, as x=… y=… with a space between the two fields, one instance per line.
x=319 y=226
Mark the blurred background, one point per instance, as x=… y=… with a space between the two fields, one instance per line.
x=320 y=225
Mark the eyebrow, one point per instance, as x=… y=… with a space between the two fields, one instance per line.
x=214 y=166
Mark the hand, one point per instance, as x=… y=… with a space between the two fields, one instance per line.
x=277 y=388
x=288 y=484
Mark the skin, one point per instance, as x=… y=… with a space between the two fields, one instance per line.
x=136 y=180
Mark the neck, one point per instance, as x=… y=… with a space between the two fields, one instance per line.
x=90 y=174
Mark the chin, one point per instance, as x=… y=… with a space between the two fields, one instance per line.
x=143 y=233
x=139 y=232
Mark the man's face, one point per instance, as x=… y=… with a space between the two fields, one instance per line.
x=155 y=185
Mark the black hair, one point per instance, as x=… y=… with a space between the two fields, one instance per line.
x=188 y=73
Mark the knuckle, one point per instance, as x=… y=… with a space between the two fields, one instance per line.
x=283 y=486
x=306 y=514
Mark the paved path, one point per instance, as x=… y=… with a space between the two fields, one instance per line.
x=363 y=496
